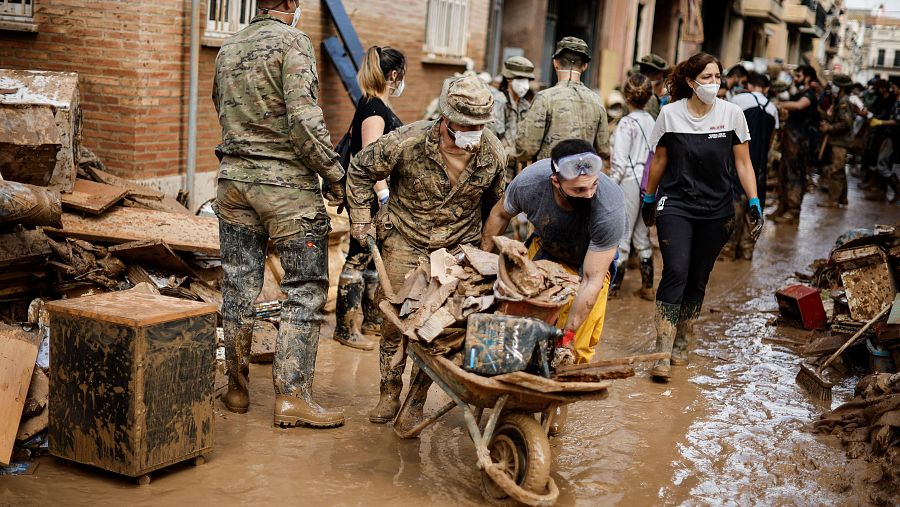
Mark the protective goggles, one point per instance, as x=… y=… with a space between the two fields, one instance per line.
x=573 y=166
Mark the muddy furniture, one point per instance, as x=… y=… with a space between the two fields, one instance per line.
x=511 y=445
x=131 y=382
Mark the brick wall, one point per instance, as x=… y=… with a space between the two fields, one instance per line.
x=133 y=58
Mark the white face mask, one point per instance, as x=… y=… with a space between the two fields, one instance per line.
x=520 y=86
x=398 y=90
x=296 y=20
x=467 y=140
x=835 y=90
x=707 y=92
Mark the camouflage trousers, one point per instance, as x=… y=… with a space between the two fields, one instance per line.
x=792 y=172
x=399 y=259
x=250 y=215
x=835 y=176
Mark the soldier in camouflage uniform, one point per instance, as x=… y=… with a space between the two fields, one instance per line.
x=839 y=128
x=274 y=148
x=569 y=110
x=510 y=106
x=443 y=173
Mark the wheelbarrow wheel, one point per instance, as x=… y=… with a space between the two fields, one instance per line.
x=521 y=448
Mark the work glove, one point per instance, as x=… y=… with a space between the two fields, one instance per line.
x=335 y=194
x=875 y=122
x=361 y=232
x=648 y=210
x=754 y=218
x=383 y=196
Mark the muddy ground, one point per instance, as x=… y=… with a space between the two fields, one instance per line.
x=727 y=431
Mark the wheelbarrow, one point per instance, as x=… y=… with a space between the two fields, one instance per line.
x=512 y=445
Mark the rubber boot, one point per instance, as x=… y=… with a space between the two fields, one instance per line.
x=348 y=313
x=305 y=282
x=243 y=263
x=559 y=421
x=418 y=393
x=894 y=183
x=667 y=316
x=390 y=387
x=616 y=284
x=646 y=290
x=684 y=335
x=372 y=318
x=879 y=191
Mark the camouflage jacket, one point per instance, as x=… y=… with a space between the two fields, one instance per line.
x=569 y=110
x=506 y=120
x=266 y=93
x=841 y=122
x=652 y=106
x=424 y=207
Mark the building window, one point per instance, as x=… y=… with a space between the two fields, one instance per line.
x=17 y=10
x=880 y=60
x=897 y=58
x=446 y=32
x=226 y=17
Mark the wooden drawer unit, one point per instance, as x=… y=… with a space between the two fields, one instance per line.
x=131 y=381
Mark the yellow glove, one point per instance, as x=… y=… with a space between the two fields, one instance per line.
x=875 y=122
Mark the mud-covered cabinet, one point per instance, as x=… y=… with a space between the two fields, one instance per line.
x=131 y=381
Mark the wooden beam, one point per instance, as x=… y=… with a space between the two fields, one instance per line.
x=186 y=233
x=17 y=356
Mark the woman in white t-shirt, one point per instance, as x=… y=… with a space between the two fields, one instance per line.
x=700 y=141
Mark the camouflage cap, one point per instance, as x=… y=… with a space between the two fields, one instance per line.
x=778 y=86
x=573 y=44
x=467 y=101
x=518 y=66
x=653 y=61
x=842 y=80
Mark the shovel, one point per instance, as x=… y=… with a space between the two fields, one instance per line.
x=811 y=379
x=382 y=272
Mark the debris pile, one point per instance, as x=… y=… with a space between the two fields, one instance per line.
x=857 y=282
x=439 y=295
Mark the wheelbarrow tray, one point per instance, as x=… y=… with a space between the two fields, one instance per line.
x=483 y=392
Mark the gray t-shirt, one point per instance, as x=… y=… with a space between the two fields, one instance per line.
x=567 y=236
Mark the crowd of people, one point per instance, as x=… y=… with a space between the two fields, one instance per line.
x=685 y=149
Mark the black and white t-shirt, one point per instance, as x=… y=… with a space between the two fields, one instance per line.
x=697 y=180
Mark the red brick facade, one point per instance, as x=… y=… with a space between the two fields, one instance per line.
x=133 y=62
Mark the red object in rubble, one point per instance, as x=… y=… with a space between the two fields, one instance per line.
x=803 y=304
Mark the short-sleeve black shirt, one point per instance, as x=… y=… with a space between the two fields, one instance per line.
x=365 y=108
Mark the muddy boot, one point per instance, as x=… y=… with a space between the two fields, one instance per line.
x=391 y=385
x=243 y=262
x=616 y=284
x=559 y=421
x=894 y=183
x=415 y=411
x=646 y=290
x=879 y=191
x=305 y=282
x=372 y=319
x=667 y=316
x=348 y=313
x=684 y=335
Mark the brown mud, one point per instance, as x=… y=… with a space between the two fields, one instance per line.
x=728 y=429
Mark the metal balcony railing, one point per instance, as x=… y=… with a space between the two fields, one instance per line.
x=226 y=17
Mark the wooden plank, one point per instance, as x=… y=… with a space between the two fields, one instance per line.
x=546 y=385
x=613 y=362
x=23 y=249
x=92 y=197
x=345 y=28
x=486 y=263
x=17 y=356
x=343 y=64
x=134 y=189
x=597 y=374
x=167 y=204
x=435 y=324
x=155 y=253
x=187 y=233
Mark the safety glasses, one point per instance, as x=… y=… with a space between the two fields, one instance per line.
x=573 y=166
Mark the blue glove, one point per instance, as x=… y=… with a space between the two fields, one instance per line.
x=754 y=218
x=648 y=209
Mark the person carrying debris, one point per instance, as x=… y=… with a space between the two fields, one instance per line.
x=274 y=149
x=578 y=214
x=381 y=77
x=442 y=174
x=568 y=110
x=838 y=125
